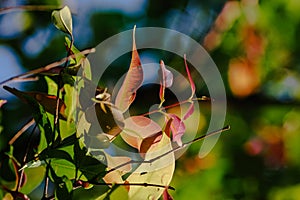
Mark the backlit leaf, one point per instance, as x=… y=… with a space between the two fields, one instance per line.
x=137 y=128
x=62 y=19
x=159 y=172
x=166 y=80
x=193 y=88
x=190 y=111
x=133 y=80
x=177 y=128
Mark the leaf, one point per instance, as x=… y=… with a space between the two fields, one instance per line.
x=36 y=177
x=193 y=88
x=39 y=113
x=159 y=172
x=55 y=154
x=166 y=195
x=100 y=141
x=68 y=141
x=190 y=111
x=92 y=168
x=62 y=19
x=132 y=81
x=148 y=142
x=47 y=101
x=110 y=118
x=166 y=80
x=116 y=175
x=177 y=128
x=63 y=186
x=52 y=86
x=137 y=128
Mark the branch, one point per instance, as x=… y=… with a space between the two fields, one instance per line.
x=46 y=68
x=21 y=131
x=170 y=151
x=28 y=8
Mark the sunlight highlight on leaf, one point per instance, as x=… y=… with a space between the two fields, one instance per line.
x=159 y=172
x=132 y=81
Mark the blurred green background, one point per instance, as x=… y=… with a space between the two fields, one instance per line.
x=255 y=45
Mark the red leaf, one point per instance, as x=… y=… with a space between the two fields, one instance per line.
x=166 y=195
x=168 y=127
x=177 y=128
x=193 y=88
x=47 y=101
x=132 y=81
x=148 y=142
x=137 y=128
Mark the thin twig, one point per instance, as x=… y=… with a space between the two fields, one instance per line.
x=170 y=151
x=25 y=156
x=28 y=8
x=21 y=131
x=138 y=184
x=47 y=67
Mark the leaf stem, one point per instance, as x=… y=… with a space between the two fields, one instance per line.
x=203 y=98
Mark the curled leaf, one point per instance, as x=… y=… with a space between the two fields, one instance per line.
x=190 y=111
x=177 y=128
x=148 y=142
x=166 y=80
x=193 y=88
x=62 y=19
x=132 y=81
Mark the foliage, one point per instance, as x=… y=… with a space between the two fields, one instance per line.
x=71 y=154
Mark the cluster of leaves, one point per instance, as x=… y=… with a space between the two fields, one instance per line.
x=79 y=128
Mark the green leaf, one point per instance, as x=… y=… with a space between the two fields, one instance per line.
x=78 y=61
x=63 y=167
x=63 y=186
x=56 y=154
x=52 y=86
x=36 y=176
x=68 y=141
x=92 y=168
x=62 y=19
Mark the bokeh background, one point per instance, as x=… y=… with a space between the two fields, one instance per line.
x=255 y=45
